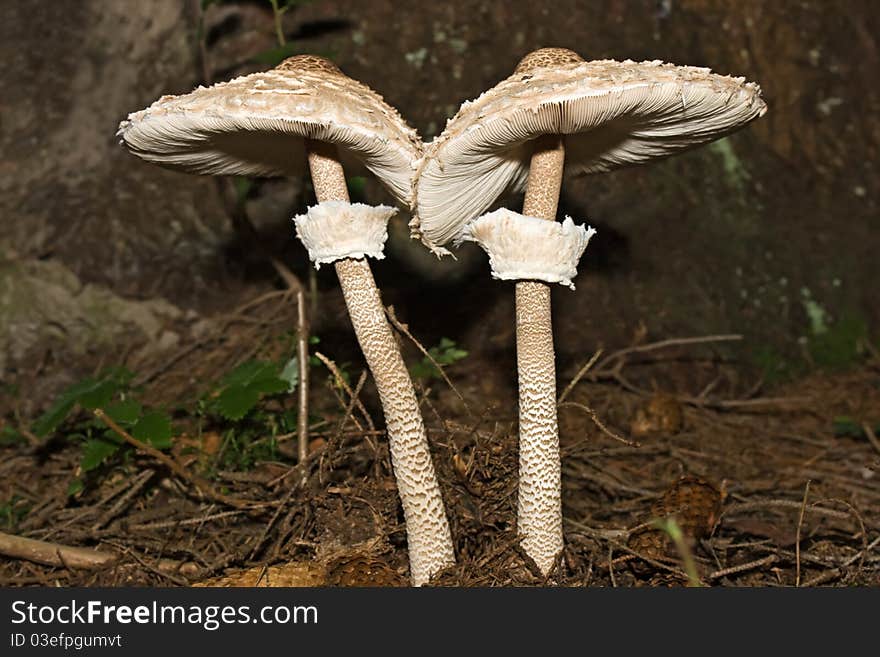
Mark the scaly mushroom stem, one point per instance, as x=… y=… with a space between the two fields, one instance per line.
x=428 y=535
x=539 y=517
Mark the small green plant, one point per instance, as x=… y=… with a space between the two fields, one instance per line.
x=241 y=390
x=446 y=352
x=110 y=391
x=246 y=407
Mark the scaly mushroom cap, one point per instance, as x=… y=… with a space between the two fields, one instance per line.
x=255 y=125
x=613 y=114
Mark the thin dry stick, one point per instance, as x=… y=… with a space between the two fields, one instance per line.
x=834 y=573
x=204 y=487
x=783 y=504
x=134 y=487
x=863 y=553
x=53 y=554
x=272 y=520
x=653 y=346
x=823 y=577
x=403 y=328
x=610 y=368
x=611 y=565
x=355 y=396
x=797 y=544
x=854 y=512
x=595 y=418
x=872 y=437
x=165 y=524
x=180 y=581
x=302 y=352
x=349 y=409
x=741 y=568
x=340 y=381
x=577 y=377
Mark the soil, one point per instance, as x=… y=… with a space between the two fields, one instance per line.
x=768 y=491
x=768 y=234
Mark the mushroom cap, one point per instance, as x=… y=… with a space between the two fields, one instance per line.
x=612 y=114
x=255 y=125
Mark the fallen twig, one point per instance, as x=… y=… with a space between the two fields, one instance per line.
x=654 y=346
x=302 y=352
x=577 y=377
x=783 y=504
x=134 y=486
x=204 y=487
x=872 y=437
x=53 y=554
x=595 y=418
x=355 y=395
x=340 y=381
x=743 y=567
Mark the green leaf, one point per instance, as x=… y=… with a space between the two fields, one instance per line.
x=247 y=383
x=236 y=401
x=125 y=412
x=56 y=414
x=250 y=371
x=154 y=428
x=96 y=451
x=445 y=353
x=9 y=436
x=90 y=392
x=75 y=486
x=290 y=374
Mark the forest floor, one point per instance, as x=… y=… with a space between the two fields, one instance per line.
x=773 y=488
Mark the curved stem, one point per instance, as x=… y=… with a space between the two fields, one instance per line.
x=428 y=535
x=539 y=510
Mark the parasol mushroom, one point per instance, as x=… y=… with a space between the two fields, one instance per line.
x=556 y=114
x=272 y=123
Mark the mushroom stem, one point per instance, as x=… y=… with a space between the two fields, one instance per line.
x=428 y=535
x=545 y=177
x=539 y=517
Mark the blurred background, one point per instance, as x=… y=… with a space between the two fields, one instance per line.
x=106 y=261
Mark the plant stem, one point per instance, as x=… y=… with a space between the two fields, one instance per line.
x=279 y=31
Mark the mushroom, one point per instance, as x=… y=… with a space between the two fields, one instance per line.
x=556 y=114
x=272 y=123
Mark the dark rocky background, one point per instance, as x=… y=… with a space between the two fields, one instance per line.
x=770 y=232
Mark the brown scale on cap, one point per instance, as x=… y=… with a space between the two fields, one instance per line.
x=547 y=57
x=311 y=63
